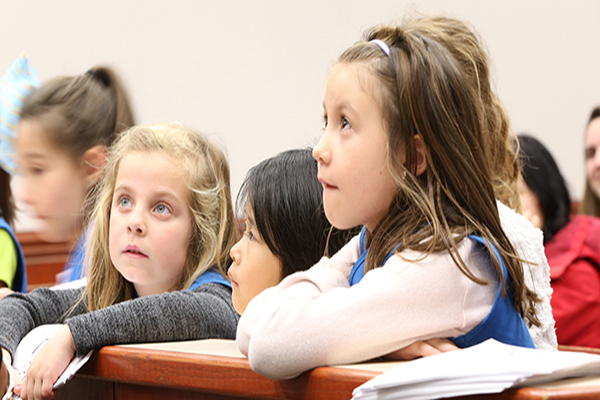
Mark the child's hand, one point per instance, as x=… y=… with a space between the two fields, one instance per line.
x=422 y=349
x=47 y=366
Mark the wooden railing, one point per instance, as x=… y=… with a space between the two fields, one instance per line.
x=190 y=370
x=42 y=259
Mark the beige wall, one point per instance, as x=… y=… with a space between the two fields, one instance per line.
x=252 y=73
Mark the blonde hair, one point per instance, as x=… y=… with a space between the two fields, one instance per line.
x=206 y=173
x=435 y=84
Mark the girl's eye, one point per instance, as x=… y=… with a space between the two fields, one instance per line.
x=345 y=123
x=162 y=209
x=324 y=122
x=589 y=153
x=249 y=234
x=36 y=170
x=124 y=202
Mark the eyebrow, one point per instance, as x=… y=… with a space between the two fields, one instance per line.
x=341 y=106
x=35 y=156
x=160 y=193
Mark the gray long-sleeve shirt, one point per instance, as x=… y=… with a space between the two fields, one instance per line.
x=202 y=313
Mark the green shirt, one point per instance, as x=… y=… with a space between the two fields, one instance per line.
x=8 y=258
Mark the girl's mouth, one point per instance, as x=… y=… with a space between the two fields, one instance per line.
x=134 y=251
x=231 y=279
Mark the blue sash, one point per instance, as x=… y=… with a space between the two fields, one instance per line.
x=503 y=323
x=20 y=280
x=75 y=260
x=210 y=276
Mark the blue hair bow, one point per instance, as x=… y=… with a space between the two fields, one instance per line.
x=16 y=84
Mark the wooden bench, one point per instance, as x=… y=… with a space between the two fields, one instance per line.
x=43 y=259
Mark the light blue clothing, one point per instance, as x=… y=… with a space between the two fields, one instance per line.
x=74 y=269
x=210 y=276
x=20 y=279
x=503 y=323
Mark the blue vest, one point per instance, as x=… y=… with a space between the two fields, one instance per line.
x=20 y=279
x=208 y=276
x=75 y=260
x=503 y=323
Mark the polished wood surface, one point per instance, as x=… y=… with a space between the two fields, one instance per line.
x=117 y=372
x=43 y=259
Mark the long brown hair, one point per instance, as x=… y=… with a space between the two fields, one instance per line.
x=590 y=204
x=214 y=231
x=435 y=84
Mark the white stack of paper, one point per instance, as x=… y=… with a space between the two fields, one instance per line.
x=489 y=367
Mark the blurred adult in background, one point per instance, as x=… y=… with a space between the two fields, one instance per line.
x=572 y=245
x=590 y=204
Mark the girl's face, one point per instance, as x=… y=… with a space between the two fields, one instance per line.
x=531 y=205
x=358 y=187
x=592 y=155
x=254 y=269
x=54 y=185
x=150 y=222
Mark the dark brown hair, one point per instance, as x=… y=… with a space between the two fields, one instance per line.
x=286 y=202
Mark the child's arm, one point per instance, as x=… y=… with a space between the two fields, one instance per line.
x=205 y=312
x=313 y=318
x=20 y=313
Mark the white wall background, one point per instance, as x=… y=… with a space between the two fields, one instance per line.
x=252 y=73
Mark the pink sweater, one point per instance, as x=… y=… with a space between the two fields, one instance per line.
x=313 y=318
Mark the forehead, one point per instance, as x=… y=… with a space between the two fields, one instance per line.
x=355 y=75
x=592 y=136
x=34 y=141
x=151 y=167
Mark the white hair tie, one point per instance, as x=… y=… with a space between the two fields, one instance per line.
x=382 y=45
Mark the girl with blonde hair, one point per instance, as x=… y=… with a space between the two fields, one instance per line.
x=409 y=152
x=163 y=223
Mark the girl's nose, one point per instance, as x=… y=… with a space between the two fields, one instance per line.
x=234 y=253
x=136 y=224
x=321 y=151
x=24 y=191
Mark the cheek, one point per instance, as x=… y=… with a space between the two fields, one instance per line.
x=66 y=192
x=114 y=234
x=175 y=254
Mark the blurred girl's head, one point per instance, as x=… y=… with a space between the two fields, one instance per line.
x=544 y=194
x=286 y=229
x=66 y=126
x=164 y=199
x=590 y=204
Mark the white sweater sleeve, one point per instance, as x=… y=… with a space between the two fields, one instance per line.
x=529 y=243
x=314 y=318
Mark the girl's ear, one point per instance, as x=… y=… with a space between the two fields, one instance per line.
x=421 y=158
x=92 y=163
